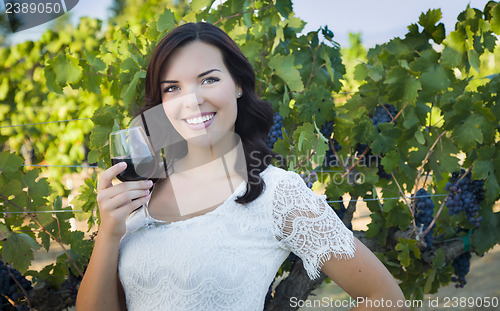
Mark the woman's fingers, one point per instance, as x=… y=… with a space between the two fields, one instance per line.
x=108 y=175
x=128 y=186
x=125 y=210
x=126 y=197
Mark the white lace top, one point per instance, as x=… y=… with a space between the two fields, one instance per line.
x=227 y=258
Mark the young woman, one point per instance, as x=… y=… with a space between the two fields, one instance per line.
x=214 y=232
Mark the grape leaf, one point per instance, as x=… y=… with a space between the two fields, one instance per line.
x=402 y=86
x=495 y=19
x=429 y=19
x=97 y=64
x=391 y=161
x=39 y=189
x=4 y=88
x=66 y=69
x=17 y=250
x=10 y=162
x=435 y=79
x=166 y=21
x=482 y=169
x=197 y=5
x=128 y=93
x=283 y=65
x=467 y=134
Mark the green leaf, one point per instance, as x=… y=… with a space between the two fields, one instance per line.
x=283 y=65
x=434 y=79
x=429 y=281
x=487 y=235
x=402 y=85
x=439 y=260
x=67 y=69
x=389 y=205
x=39 y=189
x=17 y=250
x=284 y=7
x=197 y=5
x=482 y=169
x=468 y=133
x=166 y=21
x=429 y=19
x=474 y=59
x=128 y=93
x=410 y=118
x=492 y=188
x=97 y=63
x=50 y=77
x=495 y=19
x=4 y=88
x=403 y=253
x=10 y=162
x=362 y=131
x=391 y=161
x=420 y=137
x=399 y=216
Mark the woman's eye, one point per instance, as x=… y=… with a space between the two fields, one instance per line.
x=170 y=89
x=210 y=80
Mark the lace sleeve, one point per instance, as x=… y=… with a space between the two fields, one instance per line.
x=306 y=225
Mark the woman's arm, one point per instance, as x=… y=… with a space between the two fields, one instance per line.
x=365 y=278
x=100 y=288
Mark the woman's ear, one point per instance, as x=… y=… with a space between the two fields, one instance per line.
x=239 y=92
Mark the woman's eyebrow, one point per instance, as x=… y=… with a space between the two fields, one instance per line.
x=199 y=76
x=207 y=72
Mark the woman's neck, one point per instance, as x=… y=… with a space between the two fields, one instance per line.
x=220 y=160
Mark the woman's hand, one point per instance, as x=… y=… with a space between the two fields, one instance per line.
x=118 y=201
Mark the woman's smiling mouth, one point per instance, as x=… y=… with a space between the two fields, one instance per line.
x=200 y=121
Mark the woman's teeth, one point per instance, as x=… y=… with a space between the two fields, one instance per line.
x=200 y=119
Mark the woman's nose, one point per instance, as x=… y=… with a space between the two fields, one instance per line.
x=193 y=100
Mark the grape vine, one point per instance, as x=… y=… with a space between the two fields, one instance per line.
x=443 y=115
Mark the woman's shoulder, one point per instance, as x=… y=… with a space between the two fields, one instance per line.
x=275 y=174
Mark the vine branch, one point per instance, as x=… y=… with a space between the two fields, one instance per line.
x=70 y=259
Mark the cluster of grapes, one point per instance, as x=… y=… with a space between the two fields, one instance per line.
x=465 y=196
x=309 y=177
x=424 y=208
x=381 y=115
x=330 y=158
x=360 y=148
x=275 y=132
x=8 y=287
x=461 y=265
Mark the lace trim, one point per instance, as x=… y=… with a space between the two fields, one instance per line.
x=308 y=226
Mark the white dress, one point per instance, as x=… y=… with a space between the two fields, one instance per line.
x=227 y=258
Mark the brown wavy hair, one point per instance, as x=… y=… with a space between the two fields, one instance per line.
x=255 y=116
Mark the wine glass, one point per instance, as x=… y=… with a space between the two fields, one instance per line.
x=132 y=146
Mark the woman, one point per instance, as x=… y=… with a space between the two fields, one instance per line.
x=212 y=235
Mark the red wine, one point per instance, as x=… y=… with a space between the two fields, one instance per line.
x=138 y=168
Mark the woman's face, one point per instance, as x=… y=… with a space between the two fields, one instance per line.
x=198 y=93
